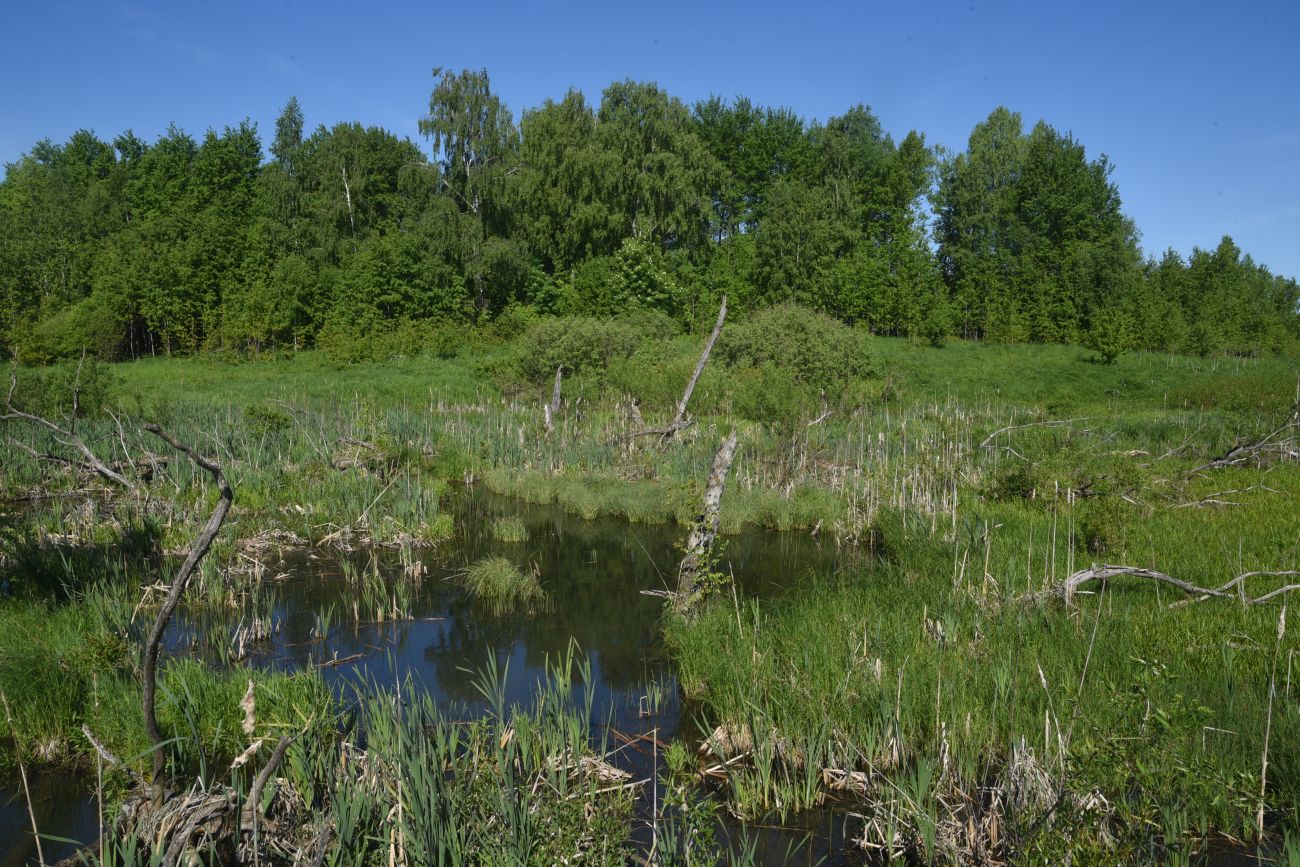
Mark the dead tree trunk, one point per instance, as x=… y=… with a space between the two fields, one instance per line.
x=681 y=421
x=149 y=664
x=551 y=410
x=680 y=418
x=699 y=545
x=1283 y=440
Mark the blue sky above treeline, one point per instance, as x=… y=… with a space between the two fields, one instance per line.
x=1196 y=104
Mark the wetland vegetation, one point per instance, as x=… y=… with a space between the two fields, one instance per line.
x=971 y=538
x=909 y=677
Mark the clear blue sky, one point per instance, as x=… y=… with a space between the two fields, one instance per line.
x=1197 y=104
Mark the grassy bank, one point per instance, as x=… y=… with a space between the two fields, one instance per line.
x=930 y=687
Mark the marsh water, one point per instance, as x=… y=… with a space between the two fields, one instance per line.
x=593 y=573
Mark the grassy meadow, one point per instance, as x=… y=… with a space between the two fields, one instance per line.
x=931 y=688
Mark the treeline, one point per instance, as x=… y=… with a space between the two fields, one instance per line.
x=349 y=233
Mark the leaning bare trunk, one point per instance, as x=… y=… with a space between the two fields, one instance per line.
x=699 y=545
x=149 y=664
x=680 y=418
x=551 y=410
x=347 y=197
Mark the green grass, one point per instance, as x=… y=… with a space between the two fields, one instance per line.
x=510 y=529
x=500 y=583
x=68 y=664
x=926 y=656
x=524 y=785
x=922 y=653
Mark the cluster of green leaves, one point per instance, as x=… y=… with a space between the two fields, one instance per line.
x=130 y=248
x=1033 y=246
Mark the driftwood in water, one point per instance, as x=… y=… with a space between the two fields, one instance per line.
x=552 y=409
x=699 y=545
x=149 y=664
x=1234 y=589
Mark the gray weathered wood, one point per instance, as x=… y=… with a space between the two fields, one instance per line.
x=699 y=368
x=704 y=532
x=149 y=663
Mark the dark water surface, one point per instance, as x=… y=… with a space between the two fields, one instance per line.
x=593 y=572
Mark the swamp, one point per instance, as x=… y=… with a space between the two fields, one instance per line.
x=993 y=605
x=631 y=481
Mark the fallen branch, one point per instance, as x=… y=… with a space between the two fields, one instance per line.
x=107 y=755
x=149 y=665
x=1067 y=589
x=1053 y=423
x=252 y=806
x=665 y=432
x=1240 y=584
x=61 y=436
x=1240 y=454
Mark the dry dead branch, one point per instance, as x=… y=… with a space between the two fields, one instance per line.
x=699 y=366
x=1283 y=440
x=1013 y=427
x=248 y=818
x=551 y=410
x=1234 y=589
x=179 y=582
x=62 y=436
x=681 y=420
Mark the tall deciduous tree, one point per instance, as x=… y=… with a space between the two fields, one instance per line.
x=477 y=143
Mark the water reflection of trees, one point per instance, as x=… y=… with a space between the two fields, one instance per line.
x=593 y=572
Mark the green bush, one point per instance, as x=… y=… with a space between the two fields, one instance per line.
x=90 y=326
x=771 y=395
x=353 y=342
x=1110 y=336
x=814 y=349
x=583 y=344
x=788 y=363
x=264 y=420
x=51 y=392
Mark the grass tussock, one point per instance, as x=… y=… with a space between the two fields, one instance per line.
x=510 y=529
x=500 y=583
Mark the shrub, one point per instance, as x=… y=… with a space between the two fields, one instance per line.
x=263 y=419
x=813 y=348
x=788 y=362
x=352 y=342
x=1110 y=336
x=49 y=392
x=770 y=394
x=585 y=344
x=1103 y=523
x=90 y=326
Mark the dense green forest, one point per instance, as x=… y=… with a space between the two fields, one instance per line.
x=347 y=235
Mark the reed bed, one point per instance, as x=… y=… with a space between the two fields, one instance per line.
x=933 y=689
